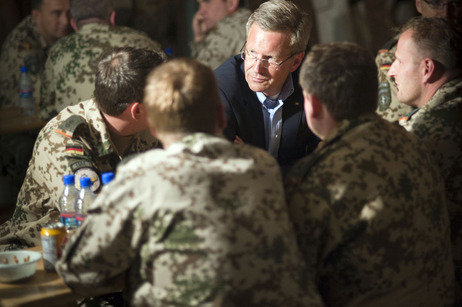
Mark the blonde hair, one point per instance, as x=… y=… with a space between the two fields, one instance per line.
x=181 y=96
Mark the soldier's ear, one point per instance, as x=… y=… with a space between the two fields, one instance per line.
x=112 y=18
x=233 y=5
x=74 y=25
x=137 y=110
x=418 y=6
x=429 y=70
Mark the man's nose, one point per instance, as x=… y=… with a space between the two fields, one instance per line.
x=257 y=66
x=391 y=71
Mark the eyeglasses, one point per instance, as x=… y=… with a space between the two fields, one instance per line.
x=249 y=56
x=437 y=4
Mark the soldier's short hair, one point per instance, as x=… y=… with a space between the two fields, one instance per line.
x=85 y=9
x=343 y=76
x=121 y=77
x=181 y=96
x=36 y=4
x=439 y=39
x=283 y=16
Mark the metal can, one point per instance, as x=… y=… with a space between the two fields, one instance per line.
x=53 y=240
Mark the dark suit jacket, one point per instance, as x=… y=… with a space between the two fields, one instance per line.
x=245 y=117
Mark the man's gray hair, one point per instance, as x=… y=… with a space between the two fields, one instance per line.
x=283 y=16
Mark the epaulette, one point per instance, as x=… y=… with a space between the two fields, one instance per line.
x=70 y=125
x=388 y=45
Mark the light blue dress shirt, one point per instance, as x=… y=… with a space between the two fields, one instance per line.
x=273 y=117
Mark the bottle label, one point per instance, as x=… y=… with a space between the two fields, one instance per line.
x=24 y=94
x=69 y=220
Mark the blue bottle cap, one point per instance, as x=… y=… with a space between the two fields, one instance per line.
x=68 y=179
x=23 y=68
x=107 y=177
x=85 y=182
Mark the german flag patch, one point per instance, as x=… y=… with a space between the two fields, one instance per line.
x=74 y=150
x=385 y=67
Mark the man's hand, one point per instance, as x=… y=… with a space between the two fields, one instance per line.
x=199 y=27
x=238 y=140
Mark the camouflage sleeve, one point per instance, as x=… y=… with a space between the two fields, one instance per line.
x=100 y=251
x=37 y=204
x=316 y=229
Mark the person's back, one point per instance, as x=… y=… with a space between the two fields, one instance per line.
x=69 y=72
x=377 y=204
x=369 y=204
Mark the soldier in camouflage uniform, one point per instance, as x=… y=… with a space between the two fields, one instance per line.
x=388 y=105
x=437 y=96
x=86 y=139
x=219 y=30
x=368 y=205
x=201 y=223
x=69 y=72
x=28 y=45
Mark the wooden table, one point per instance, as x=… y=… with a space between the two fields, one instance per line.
x=11 y=121
x=42 y=289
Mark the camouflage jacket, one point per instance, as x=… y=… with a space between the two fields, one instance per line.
x=223 y=41
x=388 y=105
x=69 y=75
x=76 y=141
x=203 y=223
x=24 y=46
x=370 y=214
x=439 y=125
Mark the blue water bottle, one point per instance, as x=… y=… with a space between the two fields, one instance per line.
x=86 y=198
x=26 y=93
x=67 y=201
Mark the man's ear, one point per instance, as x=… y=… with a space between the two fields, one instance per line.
x=316 y=106
x=74 y=25
x=136 y=110
x=298 y=59
x=35 y=15
x=418 y=6
x=112 y=18
x=429 y=70
x=233 y=5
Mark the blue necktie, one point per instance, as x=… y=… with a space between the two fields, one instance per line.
x=270 y=103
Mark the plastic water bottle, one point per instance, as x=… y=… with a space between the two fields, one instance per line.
x=67 y=201
x=86 y=198
x=26 y=91
x=107 y=177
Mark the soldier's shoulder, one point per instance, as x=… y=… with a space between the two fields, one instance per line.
x=70 y=126
x=387 y=52
x=21 y=37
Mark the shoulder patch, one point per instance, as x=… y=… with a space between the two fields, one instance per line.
x=87 y=172
x=70 y=125
x=74 y=150
x=388 y=45
x=384 y=96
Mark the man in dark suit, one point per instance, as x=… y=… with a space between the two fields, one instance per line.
x=260 y=89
